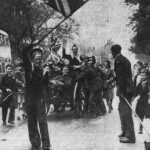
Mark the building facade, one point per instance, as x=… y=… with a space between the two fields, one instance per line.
x=5 y=52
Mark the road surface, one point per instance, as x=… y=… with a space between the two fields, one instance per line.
x=70 y=133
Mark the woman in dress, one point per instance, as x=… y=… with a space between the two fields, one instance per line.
x=108 y=91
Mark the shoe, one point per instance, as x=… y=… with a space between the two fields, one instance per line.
x=24 y=116
x=126 y=140
x=122 y=135
x=35 y=148
x=11 y=122
x=140 y=132
x=100 y=114
x=47 y=148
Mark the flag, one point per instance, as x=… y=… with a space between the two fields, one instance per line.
x=55 y=43
x=66 y=7
x=55 y=46
x=54 y=57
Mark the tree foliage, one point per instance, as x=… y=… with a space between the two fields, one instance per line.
x=141 y=25
x=26 y=21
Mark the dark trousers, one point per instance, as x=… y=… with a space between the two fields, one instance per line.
x=127 y=125
x=5 y=111
x=102 y=105
x=37 y=116
x=96 y=102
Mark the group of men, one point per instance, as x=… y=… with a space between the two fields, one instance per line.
x=37 y=92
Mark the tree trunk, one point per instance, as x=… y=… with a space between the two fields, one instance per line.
x=14 y=50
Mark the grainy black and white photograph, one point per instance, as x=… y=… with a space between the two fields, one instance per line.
x=74 y=74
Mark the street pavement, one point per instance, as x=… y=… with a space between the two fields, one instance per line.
x=69 y=133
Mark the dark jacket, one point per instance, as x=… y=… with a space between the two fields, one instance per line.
x=36 y=83
x=8 y=82
x=122 y=68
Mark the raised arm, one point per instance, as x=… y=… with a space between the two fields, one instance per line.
x=64 y=55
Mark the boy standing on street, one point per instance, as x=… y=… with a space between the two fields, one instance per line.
x=9 y=87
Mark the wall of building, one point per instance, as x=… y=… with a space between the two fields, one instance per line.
x=5 y=51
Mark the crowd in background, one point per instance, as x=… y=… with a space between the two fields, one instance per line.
x=98 y=84
x=98 y=80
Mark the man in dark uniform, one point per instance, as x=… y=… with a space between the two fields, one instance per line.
x=125 y=89
x=36 y=97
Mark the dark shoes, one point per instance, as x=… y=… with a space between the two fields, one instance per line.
x=39 y=148
x=24 y=116
x=126 y=140
x=35 y=148
x=99 y=113
x=11 y=122
x=122 y=135
x=47 y=148
x=18 y=118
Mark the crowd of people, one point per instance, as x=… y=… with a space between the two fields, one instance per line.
x=97 y=77
x=97 y=81
x=32 y=86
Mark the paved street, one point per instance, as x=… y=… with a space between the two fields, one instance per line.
x=68 y=133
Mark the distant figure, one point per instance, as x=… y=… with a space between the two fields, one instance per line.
x=74 y=63
x=146 y=66
x=138 y=67
x=143 y=91
x=19 y=77
x=125 y=89
x=9 y=86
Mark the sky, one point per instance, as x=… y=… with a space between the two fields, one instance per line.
x=95 y=28
x=101 y=20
